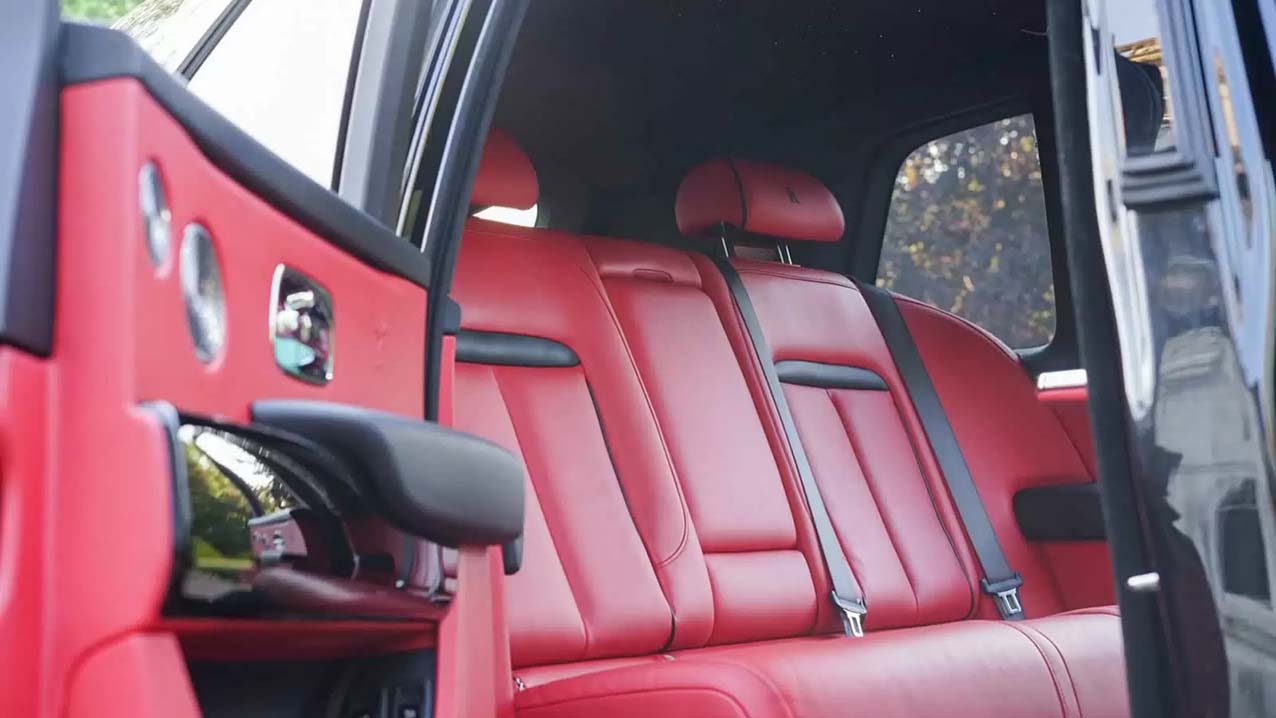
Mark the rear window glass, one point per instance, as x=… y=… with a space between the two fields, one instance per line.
x=510 y=215
x=967 y=231
x=279 y=71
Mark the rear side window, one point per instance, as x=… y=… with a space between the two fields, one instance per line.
x=967 y=231
x=280 y=73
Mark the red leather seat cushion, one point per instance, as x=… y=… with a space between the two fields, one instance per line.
x=970 y=669
x=670 y=689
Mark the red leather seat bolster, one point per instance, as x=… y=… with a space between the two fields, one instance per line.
x=1085 y=646
x=1010 y=440
x=670 y=689
x=605 y=522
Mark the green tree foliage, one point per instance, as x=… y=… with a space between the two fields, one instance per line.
x=219 y=512
x=219 y=508
x=101 y=11
x=967 y=231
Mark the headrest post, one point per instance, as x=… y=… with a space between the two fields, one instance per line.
x=723 y=242
x=785 y=253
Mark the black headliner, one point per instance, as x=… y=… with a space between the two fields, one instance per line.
x=627 y=94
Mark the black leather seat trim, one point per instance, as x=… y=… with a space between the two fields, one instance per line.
x=478 y=347
x=827 y=376
x=1066 y=512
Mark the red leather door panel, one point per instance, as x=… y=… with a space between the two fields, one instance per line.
x=88 y=525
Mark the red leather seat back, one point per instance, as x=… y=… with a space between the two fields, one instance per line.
x=884 y=489
x=759 y=567
x=861 y=451
x=1011 y=441
x=587 y=588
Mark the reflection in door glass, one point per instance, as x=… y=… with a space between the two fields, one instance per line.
x=1241 y=544
x=1142 y=76
x=230 y=490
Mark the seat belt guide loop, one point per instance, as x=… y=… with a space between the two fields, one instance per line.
x=853 y=611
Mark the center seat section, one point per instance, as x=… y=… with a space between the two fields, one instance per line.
x=866 y=444
x=669 y=565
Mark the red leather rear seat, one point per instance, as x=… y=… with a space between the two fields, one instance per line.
x=877 y=472
x=669 y=563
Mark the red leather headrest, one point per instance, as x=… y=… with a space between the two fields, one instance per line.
x=505 y=176
x=758 y=198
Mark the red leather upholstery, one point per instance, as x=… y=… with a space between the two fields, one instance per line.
x=887 y=498
x=587 y=588
x=881 y=494
x=682 y=689
x=669 y=563
x=505 y=176
x=757 y=198
x=760 y=578
x=1070 y=405
x=1085 y=567
x=1084 y=643
x=1051 y=667
x=1010 y=441
x=968 y=669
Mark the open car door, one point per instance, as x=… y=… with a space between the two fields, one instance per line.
x=217 y=477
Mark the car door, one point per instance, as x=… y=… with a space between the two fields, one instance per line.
x=1181 y=148
x=161 y=268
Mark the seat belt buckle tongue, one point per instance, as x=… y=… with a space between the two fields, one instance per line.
x=853 y=612
x=1005 y=594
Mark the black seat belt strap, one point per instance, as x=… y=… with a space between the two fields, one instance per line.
x=846 y=595
x=999 y=581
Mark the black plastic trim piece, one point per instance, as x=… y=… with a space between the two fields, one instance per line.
x=827 y=376
x=939 y=434
x=1184 y=173
x=169 y=422
x=1066 y=512
x=1147 y=664
x=502 y=349
x=512 y=556
x=347 y=100
x=1165 y=179
x=29 y=173
x=434 y=482
x=451 y=317
x=378 y=130
x=210 y=39
x=453 y=180
x=91 y=53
